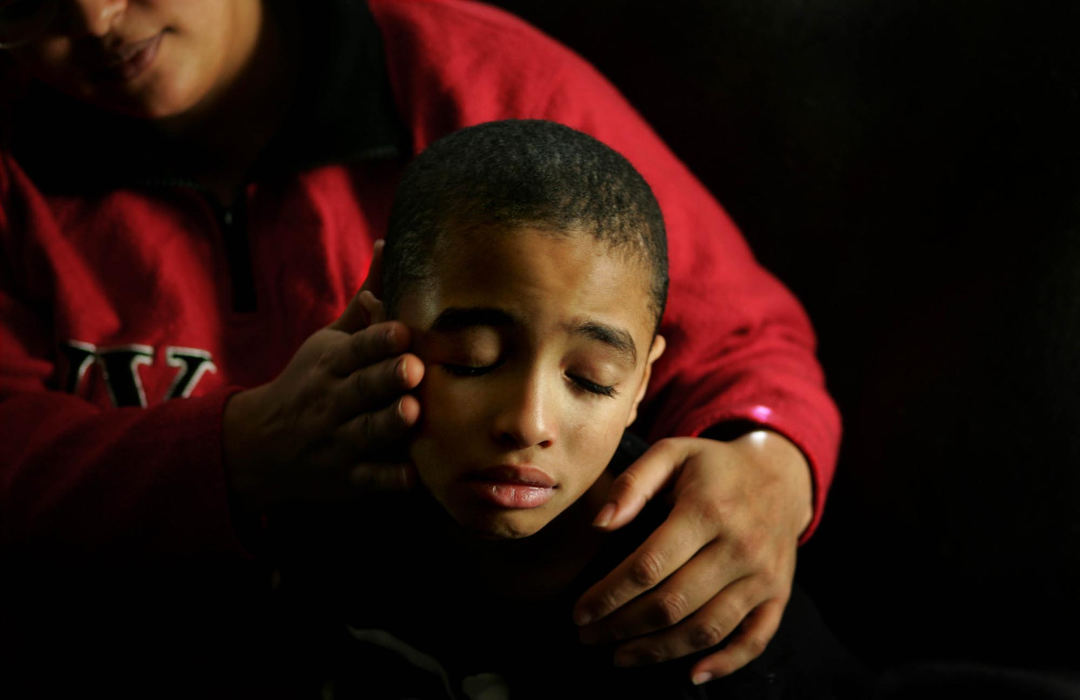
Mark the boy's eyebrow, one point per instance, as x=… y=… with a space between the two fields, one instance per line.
x=456 y=319
x=617 y=338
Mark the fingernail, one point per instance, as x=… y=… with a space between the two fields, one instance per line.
x=402 y=370
x=582 y=618
x=605 y=516
x=388 y=335
x=700 y=678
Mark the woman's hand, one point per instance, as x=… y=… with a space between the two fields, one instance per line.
x=332 y=424
x=719 y=568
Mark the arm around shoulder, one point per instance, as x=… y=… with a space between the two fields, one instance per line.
x=741 y=349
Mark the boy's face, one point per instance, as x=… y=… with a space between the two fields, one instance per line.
x=538 y=348
x=147 y=58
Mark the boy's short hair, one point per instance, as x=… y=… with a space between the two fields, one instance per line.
x=522 y=173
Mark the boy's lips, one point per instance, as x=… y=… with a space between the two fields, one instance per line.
x=510 y=486
x=512 y=474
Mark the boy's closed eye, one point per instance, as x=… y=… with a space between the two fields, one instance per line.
x=592 y=387
x=579 y=381
x=474 y=368
x=468 y=369
x=463 y=350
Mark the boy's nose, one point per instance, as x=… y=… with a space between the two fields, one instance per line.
x=94 y=17
x=524 y=419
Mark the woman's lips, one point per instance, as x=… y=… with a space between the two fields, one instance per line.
x=130 y=60
x=512 y=486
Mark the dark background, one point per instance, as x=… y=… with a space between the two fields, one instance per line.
x=910 y=170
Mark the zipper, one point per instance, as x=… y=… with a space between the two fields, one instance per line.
x=234 y=229
x=232 y=222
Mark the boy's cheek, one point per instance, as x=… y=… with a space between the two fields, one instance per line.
x=446 y=430
x=435 y=469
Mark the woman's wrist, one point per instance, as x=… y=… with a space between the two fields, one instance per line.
x=783 y=459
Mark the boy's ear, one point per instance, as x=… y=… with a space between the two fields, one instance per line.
x=657 y=349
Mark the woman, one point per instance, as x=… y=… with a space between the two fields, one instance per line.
x=191 y=194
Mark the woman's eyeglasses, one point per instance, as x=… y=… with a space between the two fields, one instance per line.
x=22 y=21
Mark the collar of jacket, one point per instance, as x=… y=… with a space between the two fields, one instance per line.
x=343 y=111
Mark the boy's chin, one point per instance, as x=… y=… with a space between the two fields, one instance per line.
x=502 y=525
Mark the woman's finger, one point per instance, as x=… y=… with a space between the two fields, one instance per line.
x=374 y=433
x=681 y=595
x=366 y=347
x=373 y=387
x=665 y=551
x=358 y=313
x=748 y=643
x=375 y=309
x=641 y=481
x=706 y=628
x=373 y=280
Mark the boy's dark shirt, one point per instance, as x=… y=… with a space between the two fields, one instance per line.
x=421 y=601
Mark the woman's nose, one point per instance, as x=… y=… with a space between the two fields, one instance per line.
x=525 y=419
x=94 y=17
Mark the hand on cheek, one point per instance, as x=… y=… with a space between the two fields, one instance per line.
x=333 y=424
x=719 y=569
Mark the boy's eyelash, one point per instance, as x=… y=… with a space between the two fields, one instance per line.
x=478 y=370
x=593 y=387
x=468 y=370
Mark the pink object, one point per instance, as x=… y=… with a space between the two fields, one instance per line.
x=761 y=413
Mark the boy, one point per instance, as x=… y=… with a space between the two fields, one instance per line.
x=529 y=261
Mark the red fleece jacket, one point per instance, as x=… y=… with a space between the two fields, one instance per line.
x=121 y=337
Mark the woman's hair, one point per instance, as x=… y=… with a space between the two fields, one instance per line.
x=522 y=173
